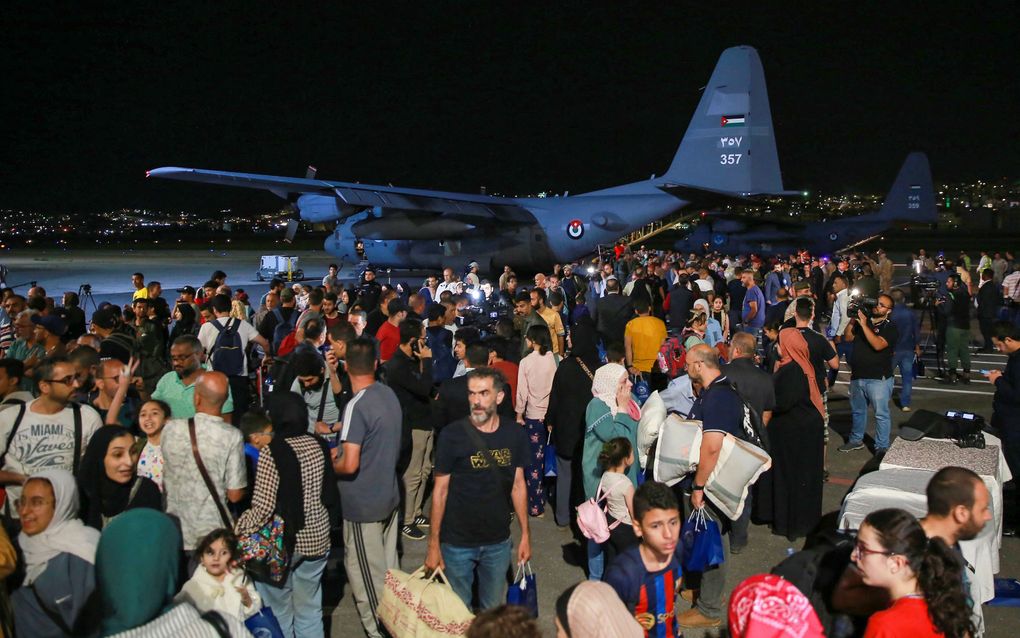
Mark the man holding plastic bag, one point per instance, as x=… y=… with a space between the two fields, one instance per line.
x=479 y=482
x=721 y=412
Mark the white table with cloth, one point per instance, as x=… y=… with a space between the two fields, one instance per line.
x=901 y=481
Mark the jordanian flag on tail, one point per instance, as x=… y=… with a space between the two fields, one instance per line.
x=731 y=120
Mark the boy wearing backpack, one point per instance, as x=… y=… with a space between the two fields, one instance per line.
x=647 y=576
x=225 y=340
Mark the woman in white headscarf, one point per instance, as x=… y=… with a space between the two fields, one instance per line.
x=60 y=555
x=611 y=413
x=713 y=329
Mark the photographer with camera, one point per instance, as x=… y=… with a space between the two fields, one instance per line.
x=871 y=379
x=954 y=306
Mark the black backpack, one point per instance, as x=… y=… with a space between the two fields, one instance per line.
x=754 y=427
x=227 y=355
x=283 y=326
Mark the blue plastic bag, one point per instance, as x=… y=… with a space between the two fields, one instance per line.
x=641 y=390
x=551 y=467
x=524 y=591
x=702 y=543
x=264 y=624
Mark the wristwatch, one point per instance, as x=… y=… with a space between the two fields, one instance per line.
x=697 y=488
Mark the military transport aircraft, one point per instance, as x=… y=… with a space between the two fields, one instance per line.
x=910 y=200
x=729 y=150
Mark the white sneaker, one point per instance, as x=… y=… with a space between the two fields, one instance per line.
x=905 y=408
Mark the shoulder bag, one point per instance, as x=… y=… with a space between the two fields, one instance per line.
x=205 y=475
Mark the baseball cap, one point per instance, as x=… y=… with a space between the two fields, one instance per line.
x=801 y=285
x=104 y=318
x=187 y=290
x=286 y=295
x=52 y=323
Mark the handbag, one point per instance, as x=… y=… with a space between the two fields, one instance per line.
x=550 y=457
x=263 y=624
x=524 y=590
x=419 y=606
x=265 y=554
x=702 y=542
x=918 y=367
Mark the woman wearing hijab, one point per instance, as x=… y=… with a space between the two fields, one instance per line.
x=713 y=332
x=796 y=436
x=593 y=610
x=568 y=399
x=108 y=480
x=185 y=322
x=294 y=479
x=137 y=571
x=610 y=414
x=60 y=554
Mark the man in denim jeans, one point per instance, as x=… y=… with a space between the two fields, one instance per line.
x=907 y=346
x=479 y=483
x=871 y=378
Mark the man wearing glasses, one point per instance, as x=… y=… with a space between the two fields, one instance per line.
x=177 y=387
x=871 y=377
x=48 y=432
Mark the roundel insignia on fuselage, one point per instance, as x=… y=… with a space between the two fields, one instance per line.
x=718 y=239
x=575 y=229
x=833 y=236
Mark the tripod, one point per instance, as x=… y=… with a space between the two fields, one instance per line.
x=85 y=296
x=934 y=330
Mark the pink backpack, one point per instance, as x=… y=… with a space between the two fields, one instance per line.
x=591 y=519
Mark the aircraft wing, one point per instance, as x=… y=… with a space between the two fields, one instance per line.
x=360 y=196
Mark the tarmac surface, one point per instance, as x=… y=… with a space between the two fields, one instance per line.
x=558 y=556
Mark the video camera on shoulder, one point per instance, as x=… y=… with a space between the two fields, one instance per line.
x=859 y=302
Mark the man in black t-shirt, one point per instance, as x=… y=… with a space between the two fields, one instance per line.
x=871 y=379
x=472 y=498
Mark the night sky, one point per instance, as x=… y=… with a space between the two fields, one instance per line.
x=458 y=96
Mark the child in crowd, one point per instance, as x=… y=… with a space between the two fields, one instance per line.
x=151 y=419
x=646 y=576
x=218 y=584
x=258 y=433
x=617 y=455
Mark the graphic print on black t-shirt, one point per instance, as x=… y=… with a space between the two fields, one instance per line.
x=477 y=504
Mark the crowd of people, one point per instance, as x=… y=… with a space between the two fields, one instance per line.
x=350 y=417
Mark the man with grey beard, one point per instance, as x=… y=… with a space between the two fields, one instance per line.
x=479 y=483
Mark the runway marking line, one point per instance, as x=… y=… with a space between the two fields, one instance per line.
x=951 y=391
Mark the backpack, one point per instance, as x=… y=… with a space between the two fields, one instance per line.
x=591 y=518
x=227 y=355
x=283 y=327
x=754 y=428
x=673 y=355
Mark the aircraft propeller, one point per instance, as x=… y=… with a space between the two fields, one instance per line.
x=295 y=220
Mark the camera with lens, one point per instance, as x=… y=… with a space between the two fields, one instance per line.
x=966 y=428
x=925 y=283
x=860 y=303
x=85 y=289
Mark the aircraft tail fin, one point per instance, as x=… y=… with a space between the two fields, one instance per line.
x=730 y=145
x=912 y=196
